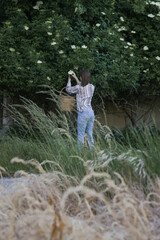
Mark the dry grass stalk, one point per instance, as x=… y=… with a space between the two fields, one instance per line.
x=39 y=208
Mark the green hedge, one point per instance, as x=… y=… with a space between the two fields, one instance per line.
x=118 y=40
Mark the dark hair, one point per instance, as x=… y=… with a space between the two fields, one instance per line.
x=85 y=75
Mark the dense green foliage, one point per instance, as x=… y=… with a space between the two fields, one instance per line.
x=118 y=40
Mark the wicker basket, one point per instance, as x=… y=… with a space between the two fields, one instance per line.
x=66 y=102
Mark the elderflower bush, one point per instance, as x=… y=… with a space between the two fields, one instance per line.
x=73 y=36
x=143 y=31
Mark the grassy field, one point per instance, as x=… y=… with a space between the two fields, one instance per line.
x=110 y=193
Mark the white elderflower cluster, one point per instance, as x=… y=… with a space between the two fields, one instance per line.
x=73 y=46
x=38 y=3
x=151 y=15
x=98 y=24
x=122 y=29
x=146 y=70
x=49 y=33
x=12 y=49
x=84 y=46
x=26 y=27
x=70 y=72
x=53 y=43
x=158 y=58
x=122 y=19
x=145 y=48
x=115 y=26
x=156 y=4
x=61 y=52
x=39 y=61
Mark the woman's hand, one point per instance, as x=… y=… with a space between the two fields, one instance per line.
x=75 y=77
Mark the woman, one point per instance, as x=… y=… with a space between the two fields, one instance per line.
x=84 y=93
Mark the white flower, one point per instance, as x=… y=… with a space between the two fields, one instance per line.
x=26 y=27
x=131 y=54
x=48 y=22
x=12 y=49
x=53 y=43
x=103 y=13
x=73 y=46
x=39 y=61
x=151 y=15
x=129 y=44
x=49 y=33
x=122 y=39
x=37 y=5
x=158 y=58
x=155 y=3
x=115 y=26
x=133 y=31
x=145 y=48
x=61 y=52
x=84 y=46
x=158 y=4
x=98 y=25
x=125 y=46
x=48 y=78
x=111 y=33
x=158 y=14
x=122 y=29
x=122 y=19
x=146 y=70
x=145 y=58
x=70 y=72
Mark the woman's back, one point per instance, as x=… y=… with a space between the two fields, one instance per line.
x=84 y=97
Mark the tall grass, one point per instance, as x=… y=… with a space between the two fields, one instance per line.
x=51 y=138
x=77 y=194
x=57 y=207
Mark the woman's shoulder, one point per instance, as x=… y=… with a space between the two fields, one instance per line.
x=91 y=85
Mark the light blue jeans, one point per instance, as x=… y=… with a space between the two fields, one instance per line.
x=85 y=123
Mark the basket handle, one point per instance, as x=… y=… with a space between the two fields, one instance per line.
x=61 y=91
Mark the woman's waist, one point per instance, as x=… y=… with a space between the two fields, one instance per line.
x=85 y=109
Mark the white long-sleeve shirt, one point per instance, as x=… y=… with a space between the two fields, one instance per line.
x=83 y=95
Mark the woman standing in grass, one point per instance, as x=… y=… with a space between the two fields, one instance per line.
x=84 y=93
